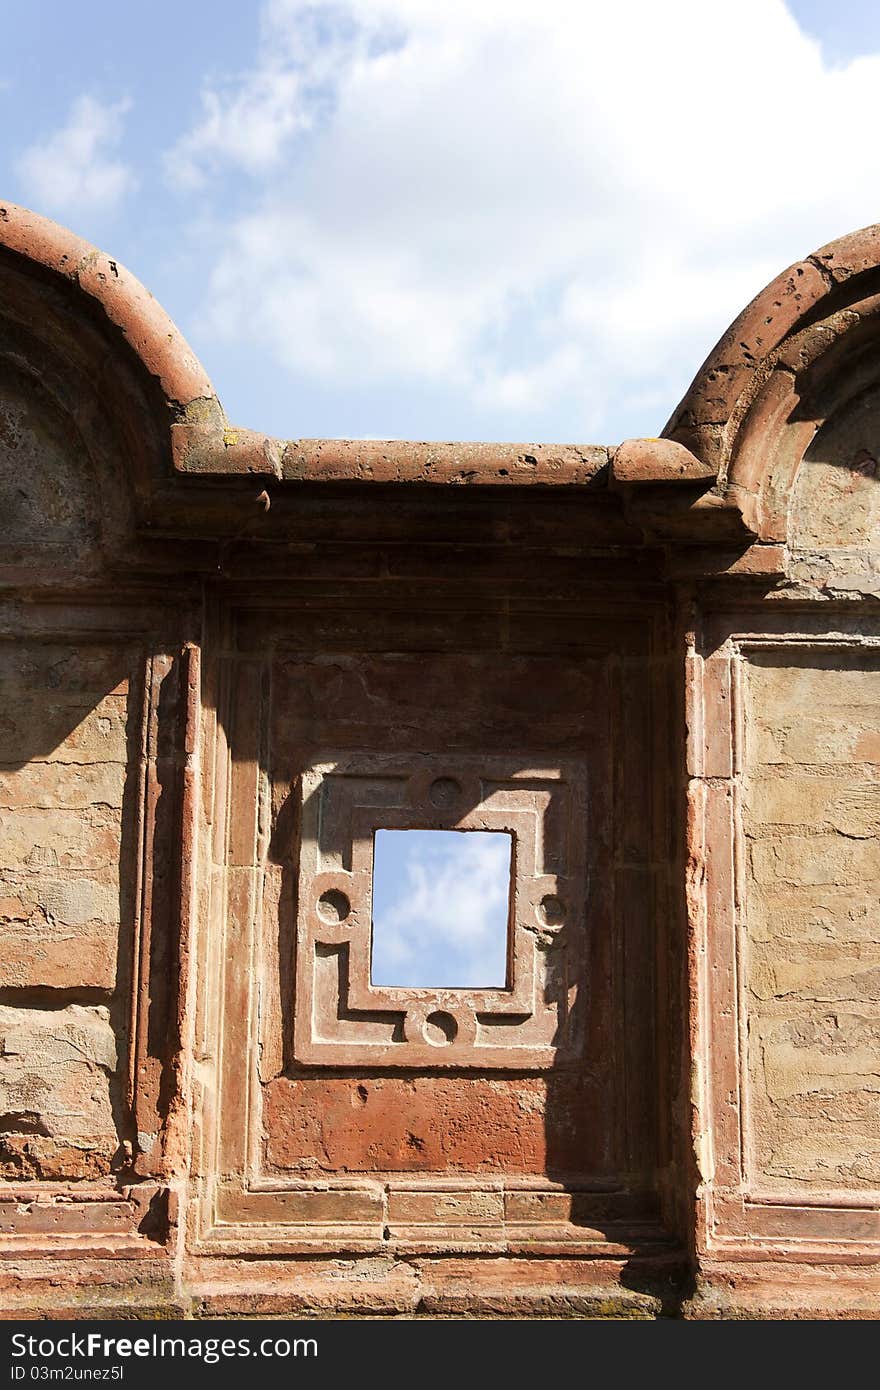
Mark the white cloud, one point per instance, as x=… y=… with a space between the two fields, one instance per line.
x=73 y=171
x=244 y=124
x=248 y=121
x=440 y=908
x=551 y=207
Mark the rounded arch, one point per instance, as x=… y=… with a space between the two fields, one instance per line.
x=81 y=335
x=119 y=296
x=793 y=369
x=137 y=399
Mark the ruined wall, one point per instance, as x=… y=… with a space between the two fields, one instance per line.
x=67 y=871
x=82 y=801
x=228 y=661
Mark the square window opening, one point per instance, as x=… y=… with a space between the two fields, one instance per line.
x=441 y=909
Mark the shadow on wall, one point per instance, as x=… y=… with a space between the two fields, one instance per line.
x=69 y=773
x=49 y=502
x=565 y=1124
x=836 y=502
x=72 y=737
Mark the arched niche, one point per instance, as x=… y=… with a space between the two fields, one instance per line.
x=835 y=504
x=786 y=408
x=93 y=379
x=49 y=496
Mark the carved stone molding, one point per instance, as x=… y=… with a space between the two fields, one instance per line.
x=534 y=1021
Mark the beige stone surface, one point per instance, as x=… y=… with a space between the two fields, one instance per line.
x=56 y=1070
x=63 y=770
x=811 y=817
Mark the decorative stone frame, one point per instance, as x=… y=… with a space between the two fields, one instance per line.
x=341 y=1018
x=254 y=822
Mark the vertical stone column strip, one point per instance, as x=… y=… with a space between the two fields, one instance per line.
x=212 y=807
x=695 y=892
x=710 y=890
x=243 y=852
x=179 y=1137
x=165 y=885
x=140 y=925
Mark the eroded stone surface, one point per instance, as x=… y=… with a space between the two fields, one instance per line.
x=46 y=494
x=56 y=1111
x=63 y=771
x=812 y=821
x=432 y=1124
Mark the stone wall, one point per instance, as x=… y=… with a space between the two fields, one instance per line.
x=65 y=903
x=227 y=661
x=812 y=819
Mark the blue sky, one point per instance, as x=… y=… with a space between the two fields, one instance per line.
x=433 y=219
x=440 y=908
x=444 y=220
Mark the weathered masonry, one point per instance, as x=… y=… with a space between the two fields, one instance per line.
x=228 y=662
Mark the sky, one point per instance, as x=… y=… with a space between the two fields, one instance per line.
x=446 y=219
x=440 y=908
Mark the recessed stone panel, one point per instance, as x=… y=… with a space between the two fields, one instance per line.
x=811 y=817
